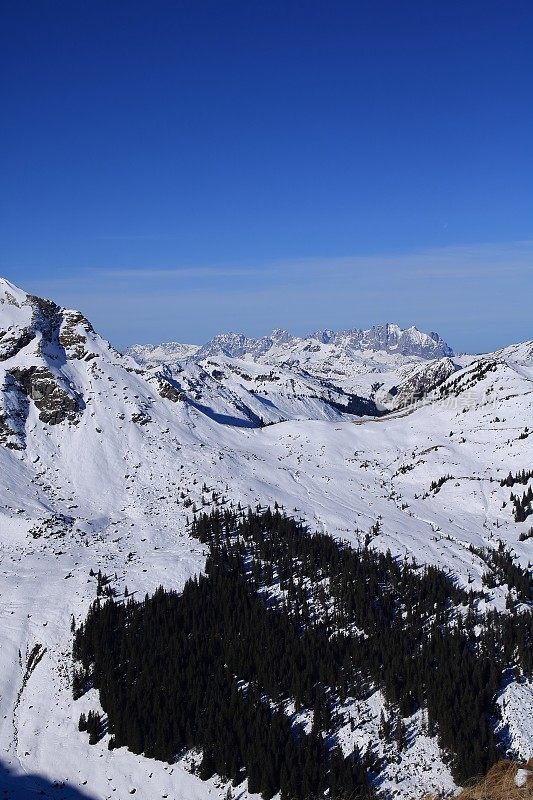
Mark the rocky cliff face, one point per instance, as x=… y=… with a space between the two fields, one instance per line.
x=73 y=332
x=54 y=402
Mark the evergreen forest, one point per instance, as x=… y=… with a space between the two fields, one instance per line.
x=285 y=616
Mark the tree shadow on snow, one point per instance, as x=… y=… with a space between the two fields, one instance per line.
x=18 y=786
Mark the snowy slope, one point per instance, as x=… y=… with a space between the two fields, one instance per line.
x=98 y=459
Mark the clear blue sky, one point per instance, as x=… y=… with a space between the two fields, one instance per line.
x=177 y=168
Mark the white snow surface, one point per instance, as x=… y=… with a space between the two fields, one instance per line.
x=103 y=492
x=516 y=726
x=412 y=772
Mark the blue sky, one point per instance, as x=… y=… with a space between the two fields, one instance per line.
x=179 y=168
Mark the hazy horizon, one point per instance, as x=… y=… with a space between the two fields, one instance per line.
x=452 y=291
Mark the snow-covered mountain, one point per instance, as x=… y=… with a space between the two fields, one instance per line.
x=102 y=461
x=151 y=355
x=280 y=345
x=359 y=371
x=388 y=338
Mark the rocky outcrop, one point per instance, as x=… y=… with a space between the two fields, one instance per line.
x=73 y=334
x=38 y=320
x=46 y=321
x=167 y=390
x=13 y=341
x=14 y=406
x=16 y=314
x=54 y=403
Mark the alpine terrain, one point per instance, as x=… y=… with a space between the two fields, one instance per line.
x=284 y=567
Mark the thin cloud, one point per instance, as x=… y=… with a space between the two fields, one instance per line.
x=134 y=237
x=177 y=272
x=464 y=261
x=451 y=262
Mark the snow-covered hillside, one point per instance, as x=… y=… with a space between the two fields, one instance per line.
x=102 y=459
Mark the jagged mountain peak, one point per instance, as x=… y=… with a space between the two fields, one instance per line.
x=11 y=294
x=389 y=338
x=280 y=336
x=323 y=336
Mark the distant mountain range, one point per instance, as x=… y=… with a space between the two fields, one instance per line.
x=355 y=371
x=388 y=338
